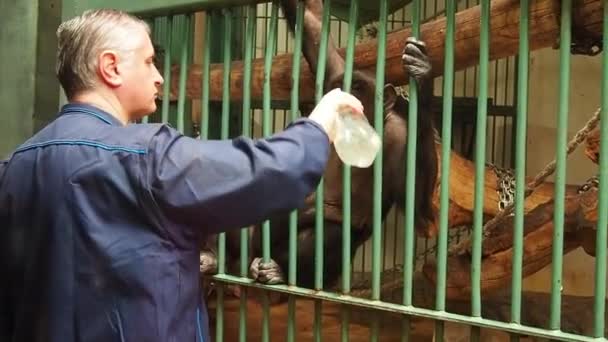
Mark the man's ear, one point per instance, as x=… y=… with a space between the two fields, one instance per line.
x=108 y=68
x=390 y=97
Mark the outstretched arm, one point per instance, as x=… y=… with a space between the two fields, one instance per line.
x=227 y=184
x=234 y=183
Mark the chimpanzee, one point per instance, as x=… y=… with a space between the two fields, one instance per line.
x=395 y=114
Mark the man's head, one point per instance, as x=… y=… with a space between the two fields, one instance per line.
x=107 y=54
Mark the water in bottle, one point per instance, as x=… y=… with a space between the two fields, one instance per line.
x=356 y=142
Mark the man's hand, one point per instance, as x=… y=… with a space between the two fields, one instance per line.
x=328 y=109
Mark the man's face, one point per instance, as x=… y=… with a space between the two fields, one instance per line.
x=140 y=77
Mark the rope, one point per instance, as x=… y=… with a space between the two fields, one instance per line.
x=490 y=227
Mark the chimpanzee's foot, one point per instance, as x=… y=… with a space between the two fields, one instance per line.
x=208 y=263
x=415 y=60
x=266 y=273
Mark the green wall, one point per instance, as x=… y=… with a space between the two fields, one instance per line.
x=29 y=94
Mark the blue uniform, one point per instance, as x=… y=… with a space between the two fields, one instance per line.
x=101 y=222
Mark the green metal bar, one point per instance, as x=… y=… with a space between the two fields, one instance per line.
x=599 y=309
x=183 y=75
x=346 y=170
x=319 y=82
x=520 y=160
x=167 y=70
x=480 y=153
x=246 y=131
x=225 y=116
x=227 y=49
x=293 y=217
x=377 y=195
x=379 y=126
x=319 y=229
x=409 y=248
x=266 y=131
x=156 y=37
x=295 y=108
x=205 y=79
x=560 y=173
x=151 y=8
x=223 y=135
x=448 y=91
x=410 y=195
x=448 y=81
x=409 y=310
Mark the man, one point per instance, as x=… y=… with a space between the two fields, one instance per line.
x=101 y=219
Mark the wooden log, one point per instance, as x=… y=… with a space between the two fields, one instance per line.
x=462 y=192
x=504 y=42
x=580 y=214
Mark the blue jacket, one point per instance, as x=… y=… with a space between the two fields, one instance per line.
x=100 y=222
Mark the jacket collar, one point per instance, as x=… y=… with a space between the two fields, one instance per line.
x=83 y=108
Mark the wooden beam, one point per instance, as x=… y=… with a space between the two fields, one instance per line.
x=504 y=42
x=580 y=219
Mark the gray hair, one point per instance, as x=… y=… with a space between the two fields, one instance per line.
x=81 y=39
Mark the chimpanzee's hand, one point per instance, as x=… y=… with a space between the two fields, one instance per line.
x=415 y=60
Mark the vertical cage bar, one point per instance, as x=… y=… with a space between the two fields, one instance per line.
x=560 y=173
x=225 y=115
x=446 y=134
x=221 y=255
x=266 y=131
x=412 y=133
x=379 y=126
x=346 y=170
x=599 y=309
x=480 y=153
x=409 y=235
x=448 y=91
x=319 y=229
x=520 y=160
x=293 y=217
x=204 y=79
x=319 y=90
x=167 y=70
x=183 y=73
x=346 y=173
x=250 y=29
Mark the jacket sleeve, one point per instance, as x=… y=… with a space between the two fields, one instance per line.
x=219 y=185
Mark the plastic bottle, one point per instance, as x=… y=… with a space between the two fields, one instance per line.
x=356 y=142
